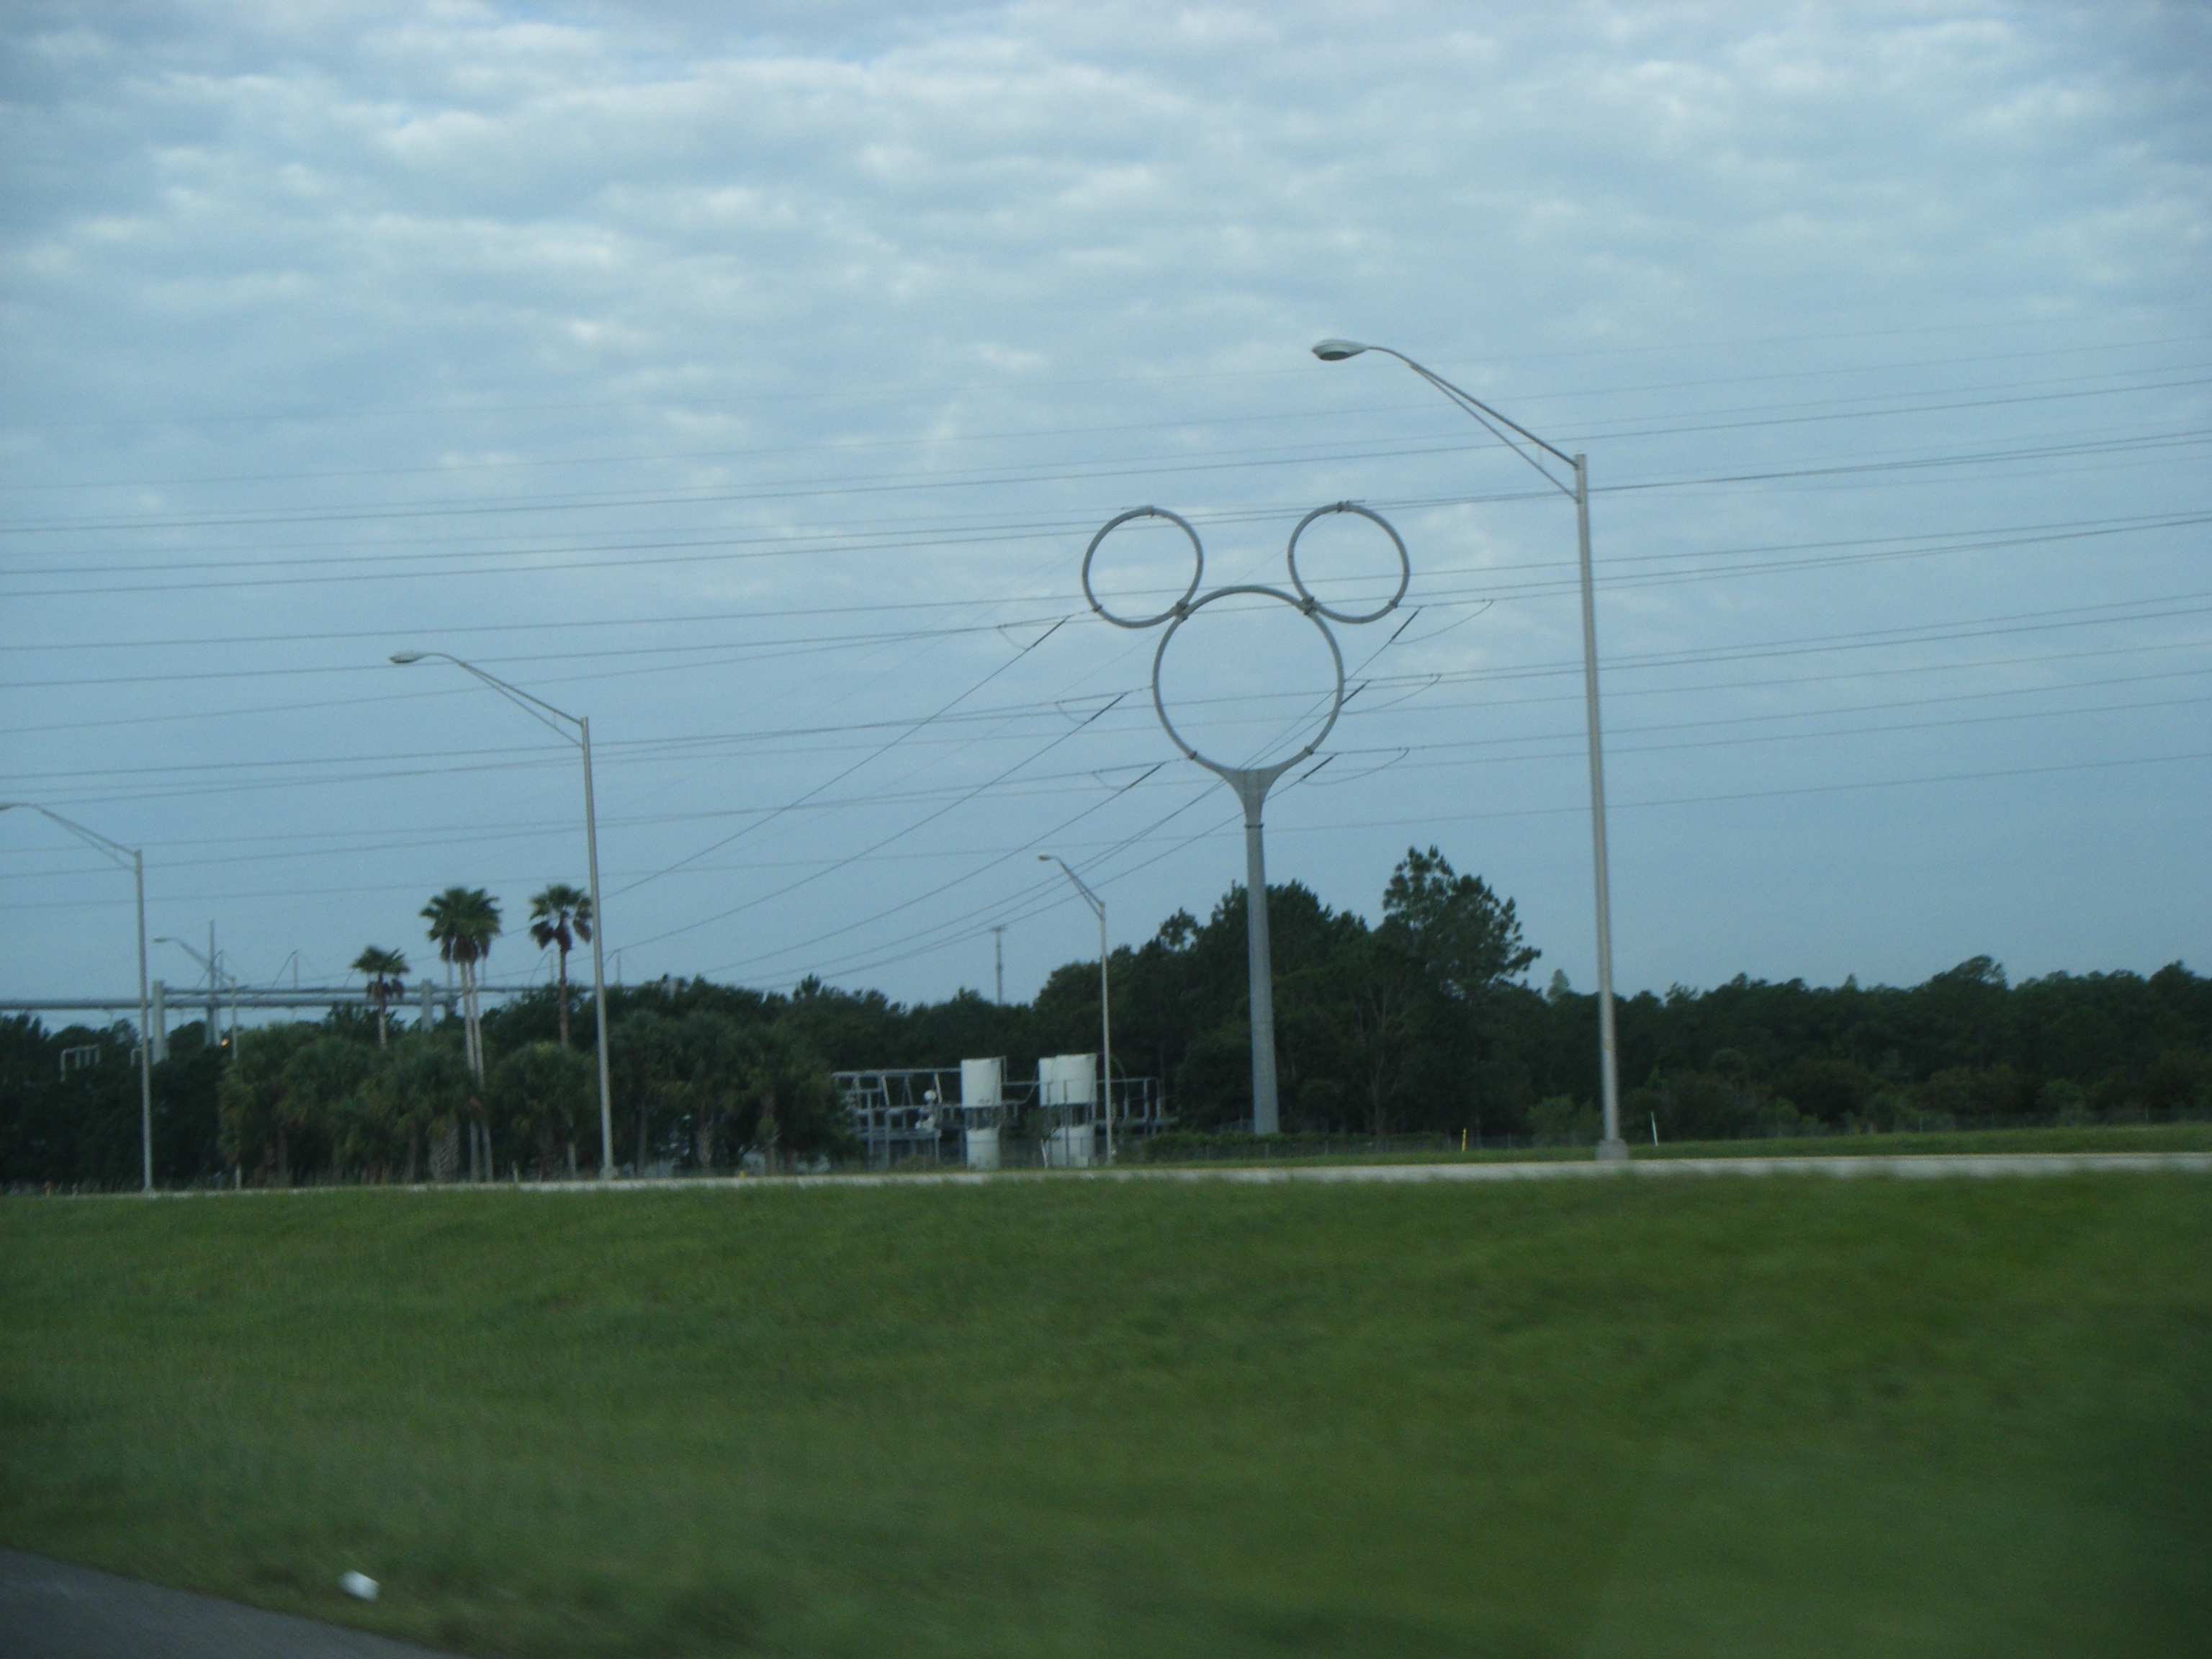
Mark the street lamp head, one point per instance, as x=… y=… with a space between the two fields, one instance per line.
x=1335 y=351
x=403 y=658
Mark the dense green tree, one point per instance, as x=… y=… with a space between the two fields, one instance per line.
x=543 y=1093
x=1464 y=935
x=424 y=1092
x=324 y=1092
x=258 y=1129
x=1422 y=1021
x=78 y=1125
x=786 y=1092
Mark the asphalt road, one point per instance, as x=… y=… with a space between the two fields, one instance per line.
x=50 y=1610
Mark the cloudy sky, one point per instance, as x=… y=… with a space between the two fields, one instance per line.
x=751 y=379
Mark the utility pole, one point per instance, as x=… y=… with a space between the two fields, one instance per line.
x=561 y=721
x=1105 y=998
x=134 y=860
x=998 y=964
x=1611 y=1148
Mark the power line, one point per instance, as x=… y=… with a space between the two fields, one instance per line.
x=1936 y=541
x=819 y=867
x=2022 y=622
x=457 y=834
x=1327 y=412
x=1887 y=550
x=878 y=483
x=901 y=736
x=726 y=548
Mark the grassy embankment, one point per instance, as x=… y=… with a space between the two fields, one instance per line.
x=1772 y=1417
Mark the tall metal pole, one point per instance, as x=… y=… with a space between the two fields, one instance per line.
x=117 y=853
x=999 y=965
x=598 y=964
x=145 y=1036
x=538 y=709
x=1612 y=1148
x=1259 y=959
x=1252 y=783
x=1105 y=1032
x=1105 y=993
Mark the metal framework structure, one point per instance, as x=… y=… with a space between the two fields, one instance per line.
x=1252 y=783
x=236 y=997
x=915 y=1114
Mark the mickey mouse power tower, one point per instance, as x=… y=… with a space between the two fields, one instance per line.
x=1252 y=783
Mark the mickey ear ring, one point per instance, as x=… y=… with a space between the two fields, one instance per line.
x=1405 y=564
x=1182 y=606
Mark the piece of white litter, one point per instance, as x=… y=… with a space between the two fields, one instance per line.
x=359 y=1585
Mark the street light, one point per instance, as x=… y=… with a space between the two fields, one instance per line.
x=1612 y=1147
x=539 y=709
x=137 y=861
x=1105 y=1002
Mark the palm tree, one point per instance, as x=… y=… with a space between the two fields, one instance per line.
x=463 y=921
x=386 y=971
x=561 y=915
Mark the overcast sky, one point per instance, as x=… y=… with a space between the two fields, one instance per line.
x=755 y=387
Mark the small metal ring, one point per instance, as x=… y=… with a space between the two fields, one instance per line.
x=1182 y=607
x=1159 y=657
x=1404 y=563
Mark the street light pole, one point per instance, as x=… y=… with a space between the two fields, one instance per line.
x=1105 y=997
x=537 y=709
x=1612 y=1148
x=136 y=860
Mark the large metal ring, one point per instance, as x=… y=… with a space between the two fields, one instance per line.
x=1336 y=701
x=1183 y=606
x=1305 y=594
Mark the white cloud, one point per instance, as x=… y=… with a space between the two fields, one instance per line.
x=848 y=272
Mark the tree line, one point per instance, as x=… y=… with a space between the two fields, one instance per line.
x=1423 y=1021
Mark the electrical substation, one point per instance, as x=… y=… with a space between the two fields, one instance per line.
x=974 y=1116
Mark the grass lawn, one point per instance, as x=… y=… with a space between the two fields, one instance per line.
x=2181 y=1137
x=1769 y=1417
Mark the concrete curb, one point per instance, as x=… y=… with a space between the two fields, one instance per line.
x=1908 y=1166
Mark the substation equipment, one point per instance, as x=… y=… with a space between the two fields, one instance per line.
x=967 y=1113
x=1252 y=783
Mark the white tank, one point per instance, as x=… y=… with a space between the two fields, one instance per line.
x=1067 y=1080
x=1069 y=1148
x=983 y=1082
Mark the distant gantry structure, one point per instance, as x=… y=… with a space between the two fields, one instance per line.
x=230 y=999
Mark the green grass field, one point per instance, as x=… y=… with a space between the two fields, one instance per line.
x=1771 y=1418
x=2179 y=1137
